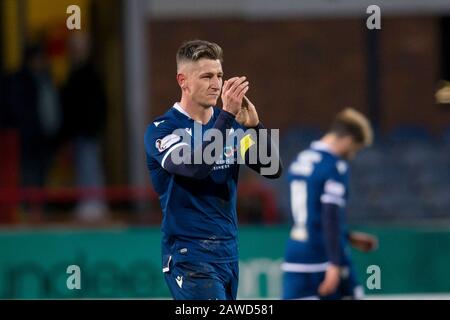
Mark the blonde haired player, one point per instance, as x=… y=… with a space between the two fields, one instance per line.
x=317 y=258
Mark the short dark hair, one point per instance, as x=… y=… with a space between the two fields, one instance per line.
x=197 y=49
x=350 y=122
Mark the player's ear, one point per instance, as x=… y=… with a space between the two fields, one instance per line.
x=181 y=79
x=348 y=141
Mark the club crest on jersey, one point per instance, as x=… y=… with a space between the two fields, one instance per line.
x=166 y=142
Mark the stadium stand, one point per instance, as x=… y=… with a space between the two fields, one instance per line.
x=404 y=176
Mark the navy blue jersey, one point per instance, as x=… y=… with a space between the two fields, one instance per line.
x=317 y=178
x=199 y=215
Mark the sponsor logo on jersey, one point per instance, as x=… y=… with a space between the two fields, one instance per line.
x=166 y=142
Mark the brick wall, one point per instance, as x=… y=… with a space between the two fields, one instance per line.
x=410 y=62
x=303 y=71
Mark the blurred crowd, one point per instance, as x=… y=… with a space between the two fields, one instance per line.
x=51 y=119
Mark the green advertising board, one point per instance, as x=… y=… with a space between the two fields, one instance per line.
x=125 y=263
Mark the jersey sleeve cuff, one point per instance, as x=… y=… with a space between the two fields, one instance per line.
x=331 y=199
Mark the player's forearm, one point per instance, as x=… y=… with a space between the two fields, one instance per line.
x=187 y=166
x=265 y=142
x=331 y=232
x=362 y=241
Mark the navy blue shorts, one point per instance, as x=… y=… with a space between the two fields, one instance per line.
x=195 y=280
x=305 y=285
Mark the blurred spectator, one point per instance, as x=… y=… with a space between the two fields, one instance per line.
x=31 y=104
x=6 y=121
x=84 y=105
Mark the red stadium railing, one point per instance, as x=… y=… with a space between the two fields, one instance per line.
x=12 y=195
x=9 y=170
x=72 y=194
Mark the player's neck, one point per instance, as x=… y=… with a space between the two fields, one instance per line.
x=196 y=111
x=331 y=141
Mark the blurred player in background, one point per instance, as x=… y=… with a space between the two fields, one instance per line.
x=198 y=200
x=317 y=257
